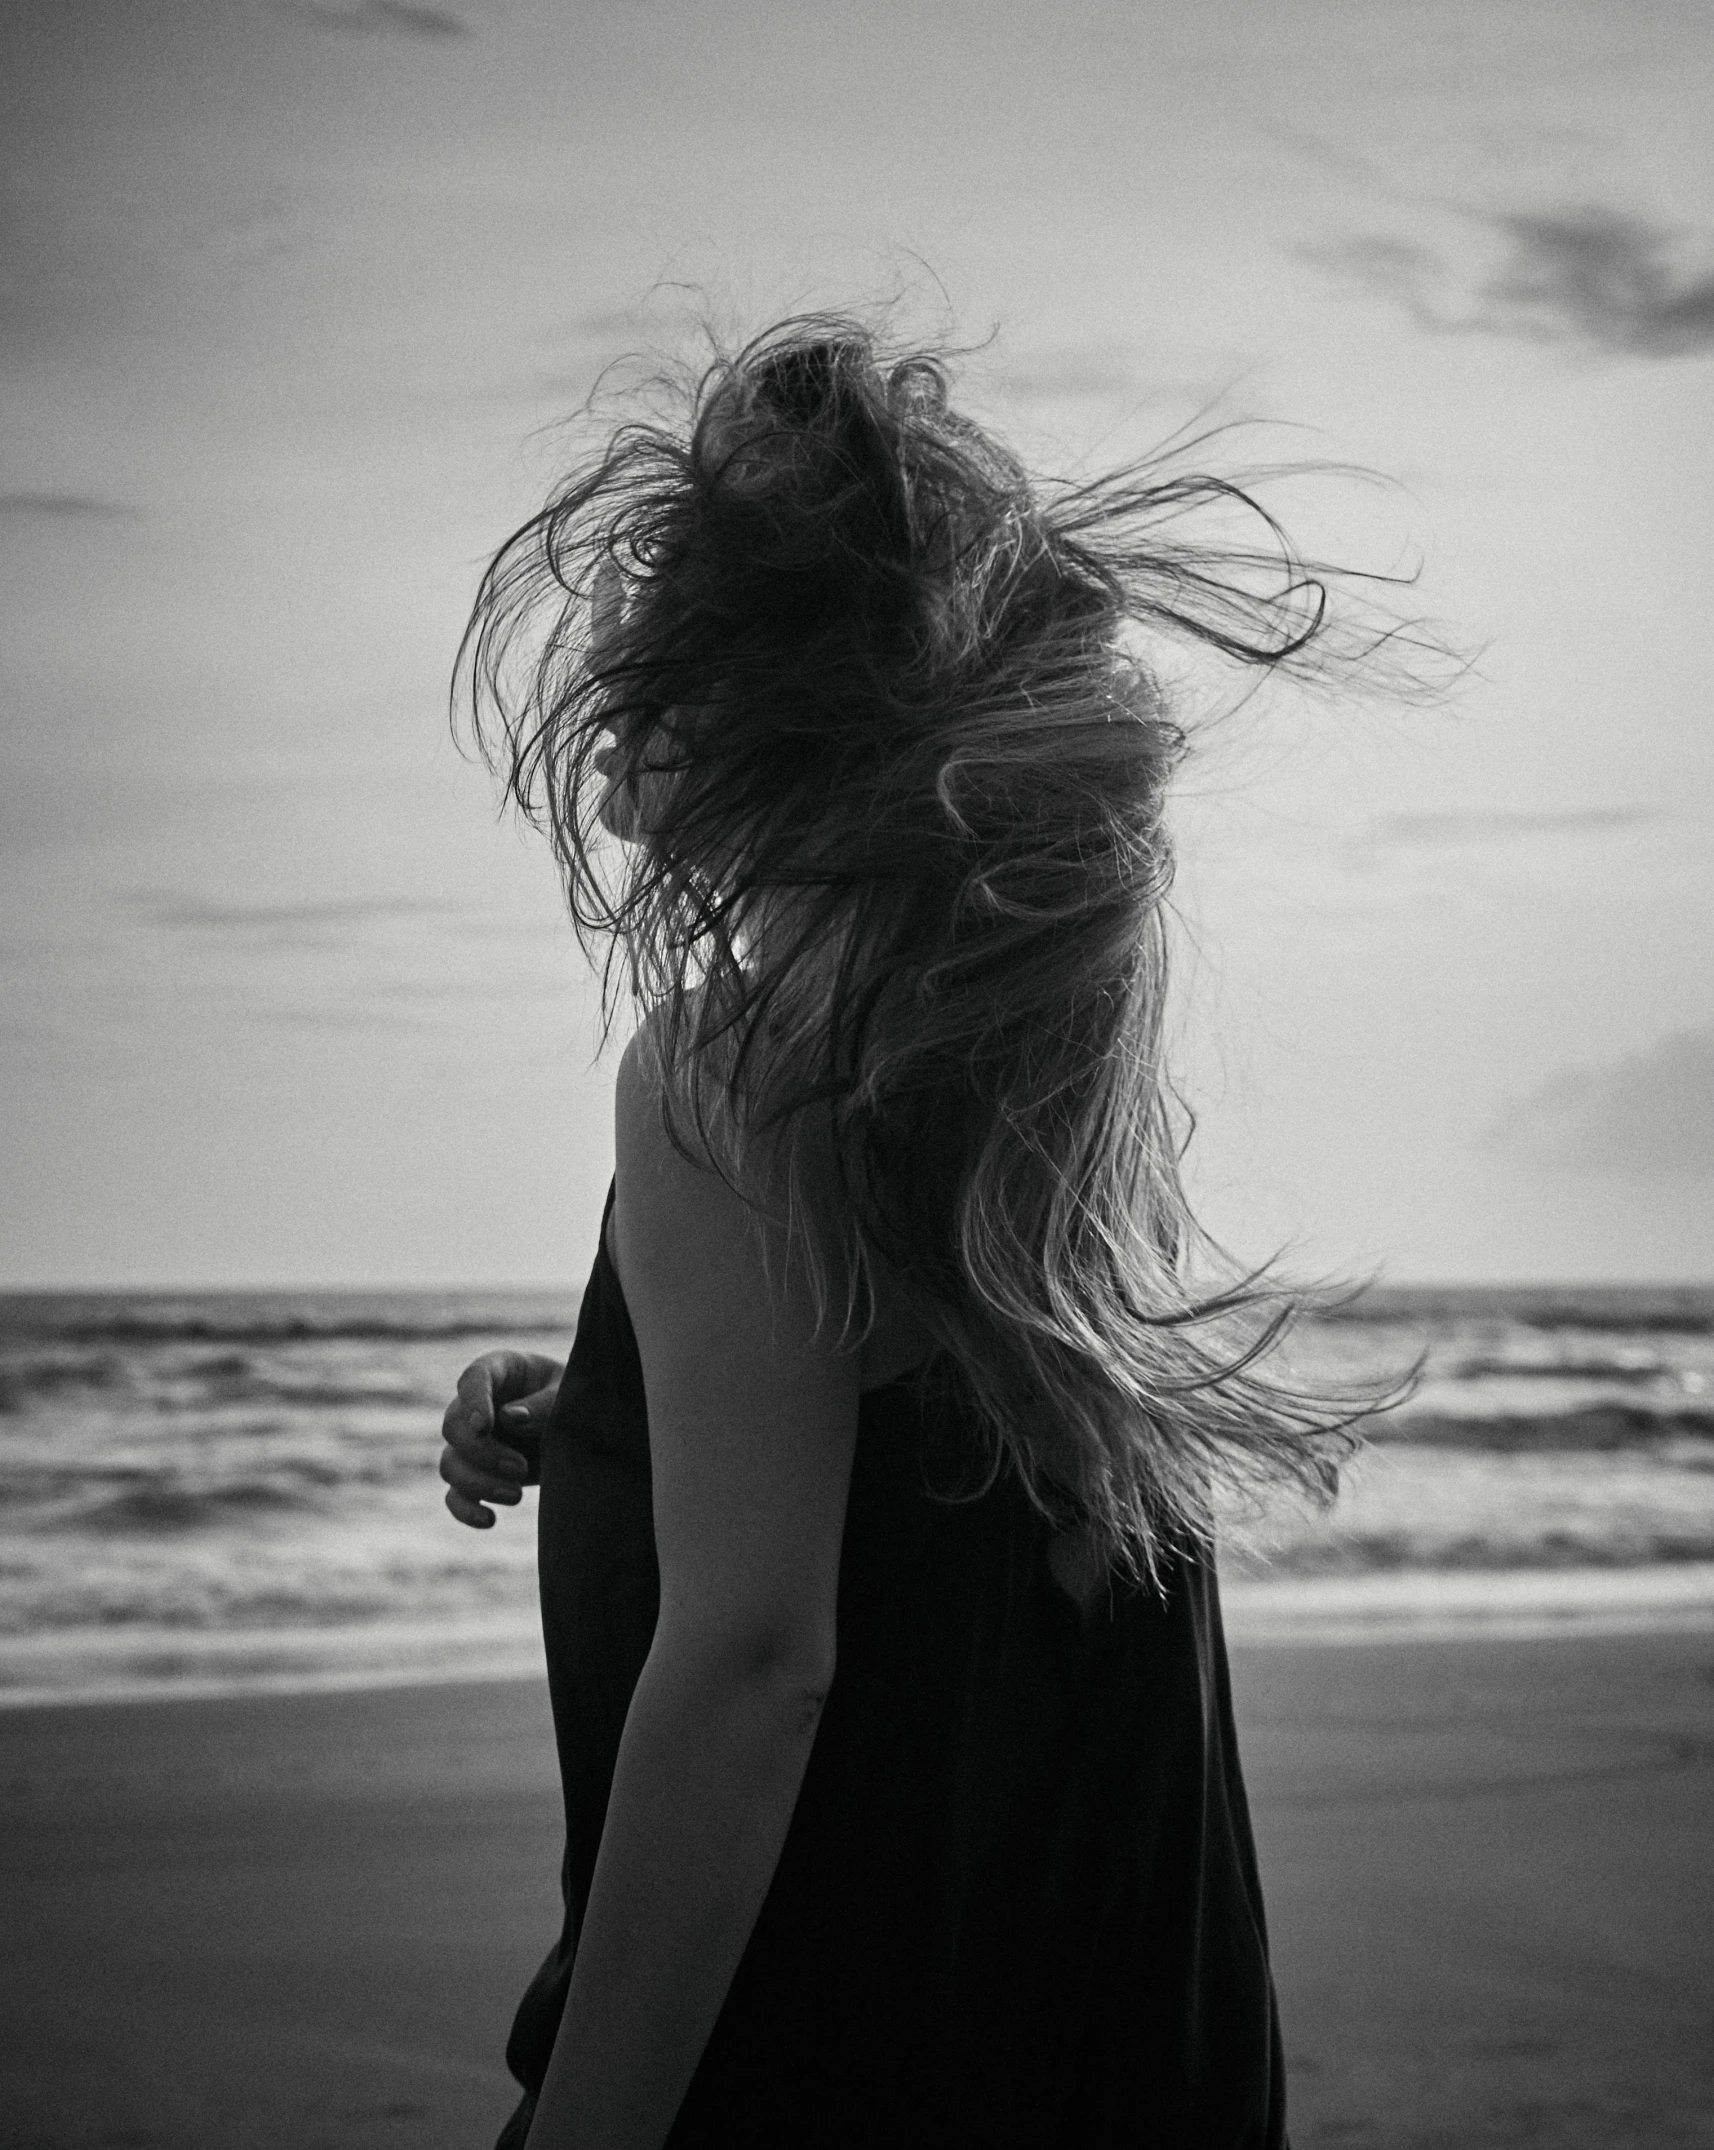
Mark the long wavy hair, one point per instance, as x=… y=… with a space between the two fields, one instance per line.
x=903 y=863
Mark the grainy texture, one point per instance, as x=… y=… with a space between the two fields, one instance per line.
x=1489 y=1889
x=274 y=1924
x=302 y=1923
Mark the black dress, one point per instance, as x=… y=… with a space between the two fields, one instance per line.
x=1017 y=1903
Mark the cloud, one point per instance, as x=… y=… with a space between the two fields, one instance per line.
x=290 y=922
x=607 y=325
x=379 y=18
x=368 y=1017
x=1586 y=275
x=574 y=354
x=1497 y=825
x=62 y=508
x=1650 y=1115
x=1069 y=378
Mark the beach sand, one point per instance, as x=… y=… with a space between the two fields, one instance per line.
x=301 y=1922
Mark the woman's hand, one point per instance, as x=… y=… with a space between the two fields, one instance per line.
x=493 y=1430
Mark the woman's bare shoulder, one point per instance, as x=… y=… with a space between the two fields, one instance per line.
x=678 y=1149
x=662 y=1104
x=767 y=1206
x=687 y=1169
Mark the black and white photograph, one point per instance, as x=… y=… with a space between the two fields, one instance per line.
x=857 y=1050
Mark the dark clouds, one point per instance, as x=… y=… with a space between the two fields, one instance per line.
x=579 y=352
x=203 y=916
x=1587 y=275
x=25 y=508
x=285 y=925
x=1650 y=1114
x=1071 y=378
x=1497 y=825
x=379 y=18
x=371 y=1016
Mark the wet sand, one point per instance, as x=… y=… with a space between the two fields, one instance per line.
x=1490 y=1877
x=301 y=1923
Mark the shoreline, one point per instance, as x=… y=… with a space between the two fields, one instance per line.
x=1450 y=1604
x=1408 y=1607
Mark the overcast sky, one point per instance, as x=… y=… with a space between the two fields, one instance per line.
x=292 y=295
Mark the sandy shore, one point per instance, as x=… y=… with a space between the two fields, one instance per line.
x=300 y=1923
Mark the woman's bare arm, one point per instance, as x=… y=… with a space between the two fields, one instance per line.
x=752 y=1429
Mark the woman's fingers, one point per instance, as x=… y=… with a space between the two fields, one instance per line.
x=503 y=1392
x=471 y=1435
x=486 y=1386
x=467 y=1489
x=469 y=1511
x=530 y=1413
x=477 y=1481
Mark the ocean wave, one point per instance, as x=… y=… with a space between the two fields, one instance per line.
x=1386 y=1551
x=195 y=1387
x=1616 y=1372
x=304 y=1318
x=153 y=1504
x=1641 y=1310
x=1587 y=1427
x=184 y=1508
x=228 y=1378
x=190 y=1495
x=231 y=1597
x=34 y=1380
x=296 y=1329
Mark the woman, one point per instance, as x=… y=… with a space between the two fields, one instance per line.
x=902 y=1799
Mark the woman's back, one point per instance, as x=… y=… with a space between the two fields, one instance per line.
x=1017 y=1902
x=902 y=1798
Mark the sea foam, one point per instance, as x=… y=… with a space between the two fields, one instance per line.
x=201 y=1492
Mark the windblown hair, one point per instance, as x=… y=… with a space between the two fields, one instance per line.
x=884 y=704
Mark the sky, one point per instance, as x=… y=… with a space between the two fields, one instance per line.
x=295 y=299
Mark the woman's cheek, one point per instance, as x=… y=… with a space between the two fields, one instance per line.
x=616 y=810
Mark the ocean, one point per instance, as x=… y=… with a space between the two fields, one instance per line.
x=206 y=1492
